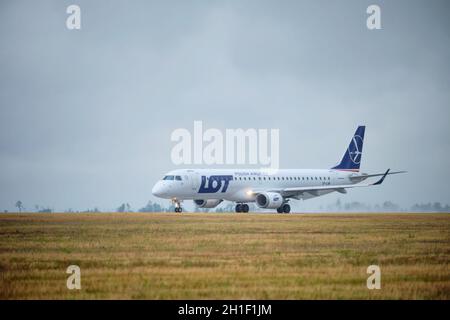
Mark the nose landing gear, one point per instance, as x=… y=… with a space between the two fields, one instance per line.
x=177 y=204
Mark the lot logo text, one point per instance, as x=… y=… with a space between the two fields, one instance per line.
x=236 y=146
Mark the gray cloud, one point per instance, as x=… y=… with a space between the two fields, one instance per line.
x=86 y=116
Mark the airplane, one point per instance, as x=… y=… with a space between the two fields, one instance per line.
x=268 y=190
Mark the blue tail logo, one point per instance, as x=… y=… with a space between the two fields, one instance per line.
x=352 y=157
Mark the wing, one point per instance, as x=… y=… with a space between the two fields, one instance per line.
x=364 y=176
x=316 y=191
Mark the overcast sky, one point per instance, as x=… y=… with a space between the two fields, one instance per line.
x=86 y=115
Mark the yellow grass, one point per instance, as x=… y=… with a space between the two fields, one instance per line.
x=224 y=256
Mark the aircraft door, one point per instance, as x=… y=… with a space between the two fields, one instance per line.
x=195 y=181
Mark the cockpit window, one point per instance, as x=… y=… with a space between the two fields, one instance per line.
x=178 y=178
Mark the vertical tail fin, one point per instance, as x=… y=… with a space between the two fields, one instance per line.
x=352 y=157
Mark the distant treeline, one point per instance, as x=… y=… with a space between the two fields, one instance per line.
x=387 y=206
x=338 y=206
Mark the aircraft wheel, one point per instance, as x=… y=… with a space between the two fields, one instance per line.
x=286 y=208
x=238 y=207
x=280 y=209
x=245 y=208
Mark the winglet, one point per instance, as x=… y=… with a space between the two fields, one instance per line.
x=382 y=178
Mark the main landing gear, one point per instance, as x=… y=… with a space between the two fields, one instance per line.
x=285 y=208
x=242 y=207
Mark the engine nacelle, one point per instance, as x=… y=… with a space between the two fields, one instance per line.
x=269 y=200
x=210 y=203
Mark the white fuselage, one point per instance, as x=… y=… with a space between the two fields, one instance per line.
x=240 y=185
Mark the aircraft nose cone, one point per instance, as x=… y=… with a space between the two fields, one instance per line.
x=157 y=190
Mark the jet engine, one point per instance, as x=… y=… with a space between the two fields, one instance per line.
x=210 y=203
x=269 y=200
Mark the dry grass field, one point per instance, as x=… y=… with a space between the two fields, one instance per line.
x=224 y=256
